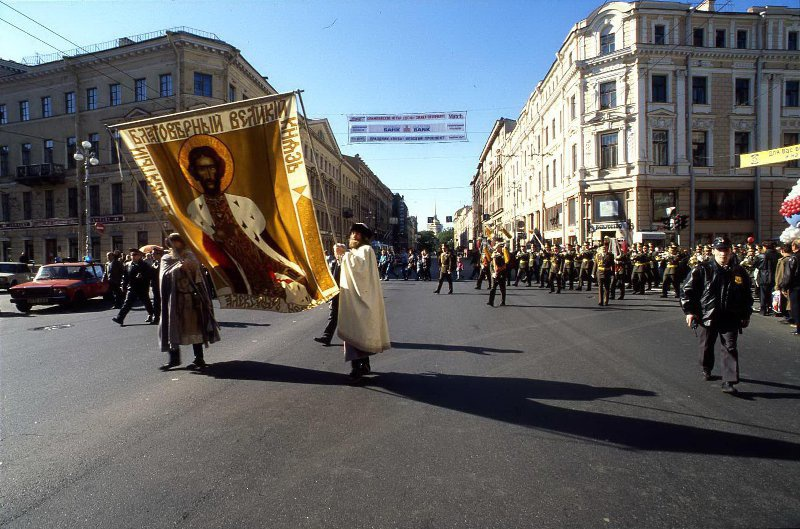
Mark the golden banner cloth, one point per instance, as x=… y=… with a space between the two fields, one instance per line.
x=232 y=179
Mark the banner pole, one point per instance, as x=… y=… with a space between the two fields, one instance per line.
x=299 y=94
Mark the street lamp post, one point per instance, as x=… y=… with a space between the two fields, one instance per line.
x=87 y=156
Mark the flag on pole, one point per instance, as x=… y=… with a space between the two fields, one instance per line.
x=232 y=179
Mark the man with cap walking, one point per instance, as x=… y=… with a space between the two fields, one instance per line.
x=717 y=300
x=136 y=284
x=362 y=314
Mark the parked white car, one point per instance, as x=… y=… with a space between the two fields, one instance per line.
x=12 y=274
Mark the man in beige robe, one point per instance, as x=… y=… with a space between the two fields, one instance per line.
x=362 y=314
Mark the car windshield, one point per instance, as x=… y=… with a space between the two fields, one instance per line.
x=60 y=272
x=9 y=268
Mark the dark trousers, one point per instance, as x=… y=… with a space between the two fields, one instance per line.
x=794 y=300
x=445 y=276
x=333 y=319
x=524 y=275
x=604 y=286
x=670 y=280
x=766 y=298
x=116 y=294
x=484 y=275
x=637 y=282
x=544 y=275
x=569 y=278
x=130 y=298
x=475 y=269
x=554 y=281
x=499 y=281
x=618 y=283
x=584 y=275
x=729 y=355
x=175 y=354
x=156 y=301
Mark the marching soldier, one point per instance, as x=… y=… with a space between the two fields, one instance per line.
x=604 y=270
x=641 y=263
x=486 y=270
x=556 y=261
x=499 y=274
x=523 y=271
x=671 y=272
x=447 y=264
x=544 y=272
x=568 y=267
x=587 y=268
x=621 y=264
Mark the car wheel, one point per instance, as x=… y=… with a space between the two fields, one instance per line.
x=23 y=306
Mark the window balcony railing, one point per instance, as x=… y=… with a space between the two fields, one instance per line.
x=45 y=173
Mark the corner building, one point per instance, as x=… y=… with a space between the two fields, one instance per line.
x=649 y=105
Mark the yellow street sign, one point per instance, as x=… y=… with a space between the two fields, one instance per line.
x=779 y=155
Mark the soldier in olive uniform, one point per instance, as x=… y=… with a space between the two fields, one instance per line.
x=554 y=279
x=544 y=271
x=604 y=271
x=568 y=267
x=621 y=265
x=486 y=271
x=671 y=272
x=587 y=268
x=641 y=263
x=498 y=275
x=523 y=271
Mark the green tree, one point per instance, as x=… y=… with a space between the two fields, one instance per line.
x=426 y=239
x=446 y=237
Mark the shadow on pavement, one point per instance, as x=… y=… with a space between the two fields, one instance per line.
x=474 y=349
x=241 y=324
x=610 y=307
x=516 y=401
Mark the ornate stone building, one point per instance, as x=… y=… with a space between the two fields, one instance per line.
x=648 y=105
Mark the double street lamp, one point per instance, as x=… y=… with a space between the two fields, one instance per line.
x=85 y=154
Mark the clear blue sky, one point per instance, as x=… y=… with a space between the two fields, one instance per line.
x=366 y=56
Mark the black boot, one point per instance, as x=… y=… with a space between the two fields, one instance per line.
x=199 y=361
x=174 y=360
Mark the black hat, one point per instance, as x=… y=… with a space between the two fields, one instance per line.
x=722 y=243
x=363 y=229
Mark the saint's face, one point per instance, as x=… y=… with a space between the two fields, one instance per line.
x=205 y=171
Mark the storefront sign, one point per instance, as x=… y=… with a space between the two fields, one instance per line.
x=108 y=219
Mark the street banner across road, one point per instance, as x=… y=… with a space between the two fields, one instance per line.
x=232 y=179
x=434 y=127
x=779 y=155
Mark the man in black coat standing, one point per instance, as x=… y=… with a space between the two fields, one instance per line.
x=333 y=316
x=136 y=283
x=791 y=284
x=767 y=263
x=113 y=274
x=718 y=301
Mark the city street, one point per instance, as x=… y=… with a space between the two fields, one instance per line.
x=550 y=412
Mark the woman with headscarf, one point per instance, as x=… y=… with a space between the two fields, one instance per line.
x=187 y=315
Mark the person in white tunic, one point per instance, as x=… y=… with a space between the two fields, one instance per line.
x=362 y=314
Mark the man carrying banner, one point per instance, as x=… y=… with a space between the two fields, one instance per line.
x=362 y=314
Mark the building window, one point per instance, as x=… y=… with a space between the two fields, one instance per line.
x=231 y=93
x=24 y=111
x=554 y=129
x=741 y=145
x=742 y=92
x=48 y=152
x=791 y=40
x=47 y=106
x=5 y=199
x=546 y=136
x=141 y=239
x=741 y=39
x=547 y=177
x=69 y=102
x=114 y=94
x=608 y=150
x=574 y=157
x=94 y=200
x=49 y=204
x=91 y=98
x=791 y=138
x=4 y=160
x=700 y=90
x=165 y=85
x=3 y=115
x=94 y=139
x=27 y=205
x=115 y=148
x=572 y=211
x=607 y=42
x=719 y=38
x=71 y=148
x=572 y=107
x=792 y=93
x=661 y=201
x=117 y=243
x=699 y=37
x=660 y=147
x=724 y=204
x=141 y=197
x=607 y=208
x=26 y=154
x=700 y=148
x=116 y=199
x=140 y=89
x=660 y=34
x=202 y=84
x=608 y=94
x=658 y=85
x=72 y=202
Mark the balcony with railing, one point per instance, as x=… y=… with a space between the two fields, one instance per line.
x=41 y=174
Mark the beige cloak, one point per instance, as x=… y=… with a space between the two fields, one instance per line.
x=362 y=314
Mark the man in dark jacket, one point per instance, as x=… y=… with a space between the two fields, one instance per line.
x=791 y=283
x=718 y=301
x=767 y=263
x=113 y=274
x=136 y=283
x=333 y=316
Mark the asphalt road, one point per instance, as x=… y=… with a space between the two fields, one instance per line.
x=550 y=412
